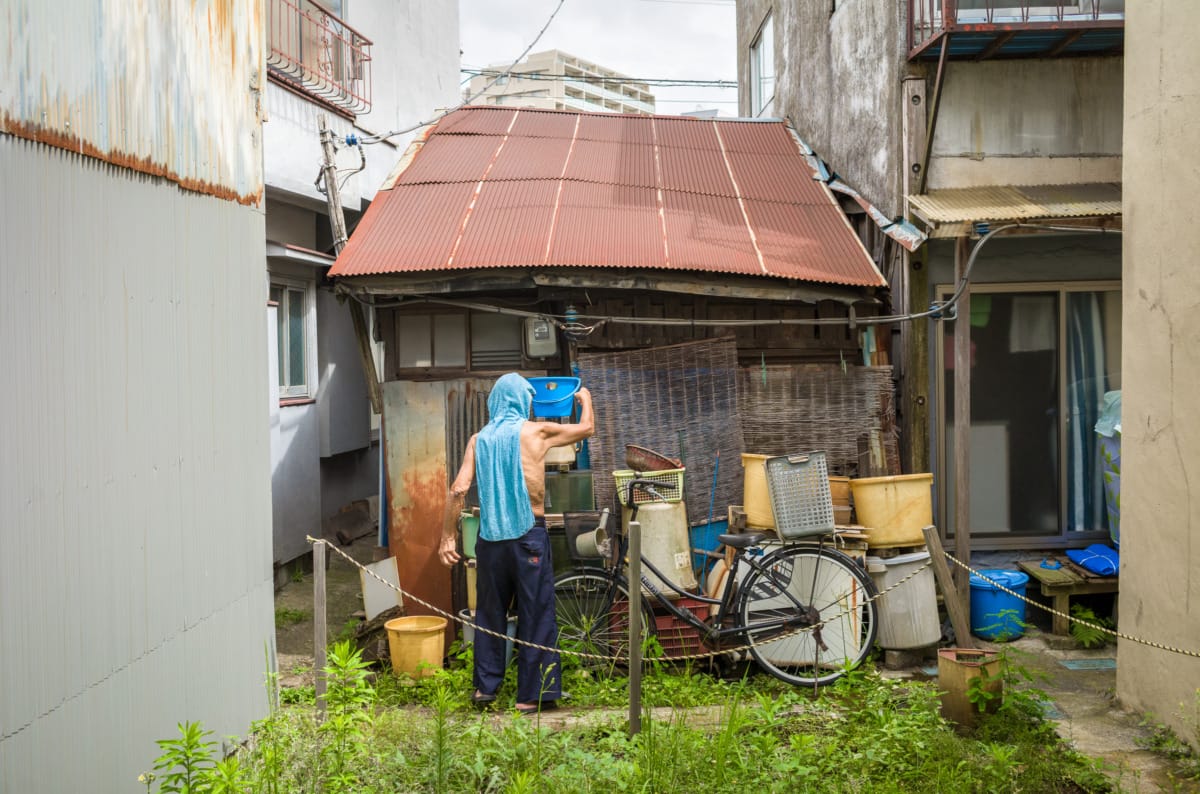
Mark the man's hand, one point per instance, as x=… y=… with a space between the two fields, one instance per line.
x=448 y=551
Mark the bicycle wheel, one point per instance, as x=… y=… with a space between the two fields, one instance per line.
x=592 y=609
x=837 y=591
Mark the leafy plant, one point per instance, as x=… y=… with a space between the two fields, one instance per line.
x=186 y=765
x=1085 y=635
x=348 y=715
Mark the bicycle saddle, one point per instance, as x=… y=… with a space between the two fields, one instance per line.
x=743 y=540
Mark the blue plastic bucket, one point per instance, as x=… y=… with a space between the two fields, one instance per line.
x=996 y=615
x=553 y=397
x=704 y=538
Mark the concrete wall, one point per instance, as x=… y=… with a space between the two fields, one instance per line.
x=1160 y=447
x=838 y=78
x=1028 y=122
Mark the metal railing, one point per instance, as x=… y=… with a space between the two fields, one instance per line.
x=930 y=18
x=314 y=51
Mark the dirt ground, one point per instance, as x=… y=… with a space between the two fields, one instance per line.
x=1083 y=701
x=294 y=626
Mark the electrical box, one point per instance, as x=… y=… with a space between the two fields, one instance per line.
x=541 y=340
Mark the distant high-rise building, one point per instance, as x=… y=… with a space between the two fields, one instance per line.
x=556 y=80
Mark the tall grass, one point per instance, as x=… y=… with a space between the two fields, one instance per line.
x=864 y=734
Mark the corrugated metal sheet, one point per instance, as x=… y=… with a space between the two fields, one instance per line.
x=135 y=513
x=599 y=190
x=1007 y=203
x=155 y=87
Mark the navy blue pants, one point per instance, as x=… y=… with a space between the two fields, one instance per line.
x=518 y=573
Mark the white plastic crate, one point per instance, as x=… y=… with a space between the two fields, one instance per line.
x=800 y=497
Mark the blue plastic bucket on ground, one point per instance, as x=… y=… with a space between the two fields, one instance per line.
x=995 y=614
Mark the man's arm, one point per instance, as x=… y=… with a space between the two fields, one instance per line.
x=557 y=434
x=455 y=502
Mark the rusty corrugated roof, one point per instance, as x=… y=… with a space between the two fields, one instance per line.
x=1011 y=203
x=494 y=187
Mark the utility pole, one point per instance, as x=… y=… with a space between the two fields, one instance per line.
x=338 y=223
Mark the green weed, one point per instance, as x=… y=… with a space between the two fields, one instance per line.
x=285 y=616
x=1087 y=636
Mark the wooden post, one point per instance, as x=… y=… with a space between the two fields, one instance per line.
x=319 y=627
x=962 y=425
x=954 y=607
x=913 y=292
x=337 y=220
x=635 y=628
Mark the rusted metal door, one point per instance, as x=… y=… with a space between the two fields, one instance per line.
x=426 y=427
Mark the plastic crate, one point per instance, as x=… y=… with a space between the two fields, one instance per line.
x=800 y=498
x=670 y=477
x=676 y=637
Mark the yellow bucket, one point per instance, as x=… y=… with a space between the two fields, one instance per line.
x=894 y=510
x=416 y=644
x=755 y=499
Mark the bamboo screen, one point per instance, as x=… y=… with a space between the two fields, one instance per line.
x=847 y=414
x=679 y=400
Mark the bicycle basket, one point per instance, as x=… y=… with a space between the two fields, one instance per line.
x=669 y=477
x=798 y=486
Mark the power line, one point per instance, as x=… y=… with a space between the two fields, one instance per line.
x=725 y=3
x=473 y=97
x=587 y=78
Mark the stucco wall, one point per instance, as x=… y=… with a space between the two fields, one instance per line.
x=1160 y=448
x=838 y=78
x=1028 y=122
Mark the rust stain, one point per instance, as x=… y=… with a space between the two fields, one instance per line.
x=414 y=531
x=145 y=165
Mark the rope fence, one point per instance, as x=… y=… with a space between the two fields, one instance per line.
x=609 y=658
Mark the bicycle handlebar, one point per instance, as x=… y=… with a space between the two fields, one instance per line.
x=649 y=487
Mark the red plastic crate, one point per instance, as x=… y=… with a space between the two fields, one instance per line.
x=676 y=637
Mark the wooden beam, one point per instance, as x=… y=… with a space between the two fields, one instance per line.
x=1063 y=43
x=962 y=425
x=996 y=45
x=362 y=334
x=945 y=580
x=933 y=113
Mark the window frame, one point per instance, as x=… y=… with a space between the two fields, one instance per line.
x=981 y=541
x=306 y=390
x=759 y=103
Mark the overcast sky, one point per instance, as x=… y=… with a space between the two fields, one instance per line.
x=691 y=39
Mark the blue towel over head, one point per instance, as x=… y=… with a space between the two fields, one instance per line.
x=504 y=510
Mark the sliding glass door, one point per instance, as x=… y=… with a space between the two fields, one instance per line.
x=1042 y=357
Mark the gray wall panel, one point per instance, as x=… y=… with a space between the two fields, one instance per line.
x=135 y=586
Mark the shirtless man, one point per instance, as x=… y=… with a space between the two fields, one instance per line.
x=513 y=550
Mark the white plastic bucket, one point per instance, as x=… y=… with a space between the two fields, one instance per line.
x=908 y=615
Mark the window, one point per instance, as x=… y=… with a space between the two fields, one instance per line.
x=294 y=337
x=1042 y=357
x=475 y=342
x=426 y=341
x=762 y=71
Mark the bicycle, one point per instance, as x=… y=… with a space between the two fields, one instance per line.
x=806 y=611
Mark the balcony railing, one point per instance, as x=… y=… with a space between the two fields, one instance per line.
x=314 y=51
x=982 y=29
